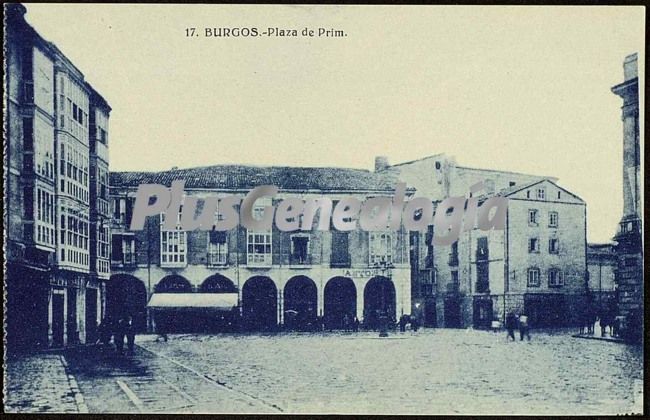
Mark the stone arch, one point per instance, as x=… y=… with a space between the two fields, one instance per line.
x=217 y=283
x=340 y=299
x=126 y=295
x=300 y=303
x=379 y=298
x=259 y=304
x=173 y=283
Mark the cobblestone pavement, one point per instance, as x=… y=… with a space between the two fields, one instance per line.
x=437 y=371
x=39 y=384
x=431 y=372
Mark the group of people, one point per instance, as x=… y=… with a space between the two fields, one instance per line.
x=119 y=331
x=606 y=319
x=350 y=325
x=408 y=319
x=514 y=322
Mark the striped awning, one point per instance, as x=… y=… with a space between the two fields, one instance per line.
x=193 y=300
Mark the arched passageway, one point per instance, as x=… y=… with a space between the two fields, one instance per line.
x=300 y=302
x=340 y=302
x=378 y=298
x=259 y=304
x=126 y=295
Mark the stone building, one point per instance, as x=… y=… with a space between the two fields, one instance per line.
x=47 y=193
x=214 y=281
x=629 y=237
x=537 y=264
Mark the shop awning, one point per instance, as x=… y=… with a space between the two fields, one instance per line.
x=193 y=300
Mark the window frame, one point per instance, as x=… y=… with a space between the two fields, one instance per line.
x=533 y=270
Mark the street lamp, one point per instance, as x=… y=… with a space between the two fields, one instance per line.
x=385 y=267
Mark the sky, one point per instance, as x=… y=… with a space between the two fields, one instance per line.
x=524 y=89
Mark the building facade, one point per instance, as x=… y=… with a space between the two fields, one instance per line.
x=601 y=266
x=265 y=279
x=629 y=237
x=536 y=265
x=47 y=194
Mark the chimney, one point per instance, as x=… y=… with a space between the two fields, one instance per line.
x=381 y=163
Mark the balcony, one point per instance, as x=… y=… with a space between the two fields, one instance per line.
x=259 y=260
x=217 y=259
x=341 y=262
x=300 y=261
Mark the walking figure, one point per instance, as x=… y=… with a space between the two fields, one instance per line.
x=120 y=332
x=161 y=327
x=524 y=329
x=511 y=324
x=355 y=324
x=130 y=335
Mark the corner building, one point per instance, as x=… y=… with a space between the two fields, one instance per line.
x=54 y=296
x=536 y=265
x=255 y=280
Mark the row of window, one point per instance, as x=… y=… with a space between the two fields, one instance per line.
x=553 y=245
x=540 y=194
x=554 y=276
x=533 y=218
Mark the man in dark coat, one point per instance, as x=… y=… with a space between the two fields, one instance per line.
x=511 y=324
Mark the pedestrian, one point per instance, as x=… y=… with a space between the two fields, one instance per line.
x=161 y=327
x=120 y=331
x=130 y=335
x=346 y=323
x=355 y=324
x=402 y=322
x=415 y=323
x=511 y=323
x=524 y=329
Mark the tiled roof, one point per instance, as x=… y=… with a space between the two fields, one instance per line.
x=244 y=177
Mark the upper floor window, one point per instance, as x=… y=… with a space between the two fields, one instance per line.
x=299 y=249
x=380 y=247
x=259 y=242
x=217 y=248
x=553 y=246
x=533 y=245
x=532 y=217
x=173 y=244
x=541 y=194
x=555 y=278
x=533 y=277
x=552 y=219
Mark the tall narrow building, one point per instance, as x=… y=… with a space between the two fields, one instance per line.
x=54 y=122
x=629 y=275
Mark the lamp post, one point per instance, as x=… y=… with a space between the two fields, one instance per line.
x=385 y=267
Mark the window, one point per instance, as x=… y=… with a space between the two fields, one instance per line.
x=528 y=194
x=380 y=247
x=340 y=256
x=217 y=248
x=541 y=194
x=128 y=246
x=482 y=248
x=533 y=245
x=552 y=219
x=299 y=249
x=555 y=278
x=559 y=194
x=512 y=183
x=553 y=246
x=259 y=247
x=532 y=217
x=533 y=277
x=172 y=248
x=28 y=134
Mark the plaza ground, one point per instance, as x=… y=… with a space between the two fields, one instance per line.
x=433 y=371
